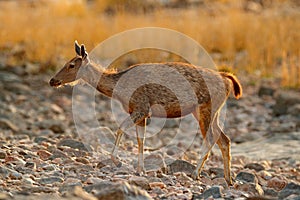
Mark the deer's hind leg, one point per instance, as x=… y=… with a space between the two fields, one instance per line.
x=140 y=136
x=224 y=145
x=205 y=117
x=134 y=118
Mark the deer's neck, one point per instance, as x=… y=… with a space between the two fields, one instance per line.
x=101 y=79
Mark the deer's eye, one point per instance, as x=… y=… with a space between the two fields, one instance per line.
x=72 y=65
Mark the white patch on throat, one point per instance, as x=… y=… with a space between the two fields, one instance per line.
x=76 y=82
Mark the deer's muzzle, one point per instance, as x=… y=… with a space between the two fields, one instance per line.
x=54 y=83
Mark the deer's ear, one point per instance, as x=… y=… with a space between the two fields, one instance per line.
x=83 y=52
x=77 y=48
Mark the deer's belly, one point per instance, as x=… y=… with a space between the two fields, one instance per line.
x=174 y=111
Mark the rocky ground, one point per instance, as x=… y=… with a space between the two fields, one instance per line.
x=44 y=156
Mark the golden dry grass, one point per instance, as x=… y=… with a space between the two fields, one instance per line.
x=266 y=43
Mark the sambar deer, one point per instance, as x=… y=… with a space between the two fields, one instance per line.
x=210 y=89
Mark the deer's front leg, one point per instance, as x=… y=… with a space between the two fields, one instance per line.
x=133 y=119
x=116 y=148
x=140 y=135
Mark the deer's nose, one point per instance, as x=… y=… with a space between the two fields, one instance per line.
x=54 y=82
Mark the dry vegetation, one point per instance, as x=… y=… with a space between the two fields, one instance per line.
x=263 y=40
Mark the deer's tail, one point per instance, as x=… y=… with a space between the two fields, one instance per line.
x=237 y=87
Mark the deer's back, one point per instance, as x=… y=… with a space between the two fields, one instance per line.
x=170 y=89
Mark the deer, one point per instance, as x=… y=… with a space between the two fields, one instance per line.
x=208 y=91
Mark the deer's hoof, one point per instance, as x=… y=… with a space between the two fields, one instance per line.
x=229 y=182
x=195 y=175
x=116 y=161
x=140 y=171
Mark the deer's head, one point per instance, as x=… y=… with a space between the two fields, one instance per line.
x=68 y=74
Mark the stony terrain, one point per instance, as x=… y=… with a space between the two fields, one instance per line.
x=43 y=156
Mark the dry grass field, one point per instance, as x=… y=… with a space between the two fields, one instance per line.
x=260 y=38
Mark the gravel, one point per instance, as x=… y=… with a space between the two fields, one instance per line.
x=44 y=156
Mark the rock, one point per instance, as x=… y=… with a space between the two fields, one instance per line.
x=290 y=189
x=40 y=139
x=119 y=191
x=7 y=124
x=104 y=185
x=140 y=181
x=105 y=163
x=72 y=181
x=284 y=127
x=220 y=181
x=265 y=175
x=167 y=180
x=171 y=123
x=15 y=160
x=74 y=144
x=15 y=175
x=180 y=166
x=266 y=91
x=157 y=184
x=276 y=183
x=4 y=196
x=256 y=166
x=59 y=154
x=285 y=100
x=9 y=77
x=4 y=171
x=44 y=154
x=18 y=88
x=154 y=162
x=53 y=125
x=213 y=192
x=250 y=188
x=183 y=179
x=246 y=177
x=270 y=192
x=69 y=186
x=218 y=172
x=294 y=110
x=38 y=189
x=2 y=154
x=82 y=160
x=93 y=180
x=78 y=193
x=51 y=180
x=28 y=181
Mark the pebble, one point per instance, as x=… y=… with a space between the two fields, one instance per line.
x=183 y=179
x=44 y=154
x=2 y=154
x=4 y=171
x=180 y=166
x=217 y=172
x=246 y=177
x=51 y=180
x=93 y=180
x=154 y=162
x=74 y=144
x=7 y=124
x=265 y=175
x=291 y=188
x=157 y=184
x=256 y=166
x=213 y=192
x=276 y=183
x=140 y=182
x=15 y=175
x=82 y=160
x=250 y=188
x=122 y=191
